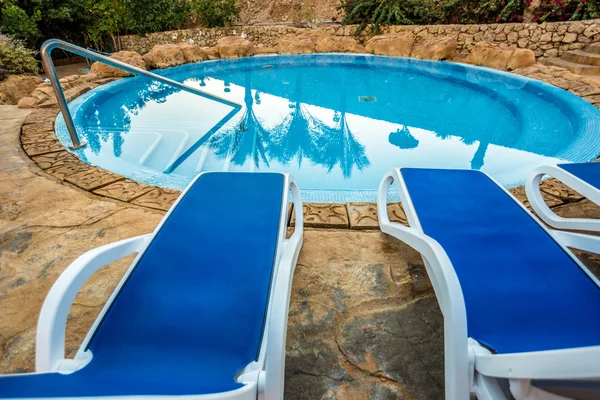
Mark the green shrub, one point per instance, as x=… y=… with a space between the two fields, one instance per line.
x=15 y=22
x=566 y=10
x=15 y=58
x=146 y=16
x=214 y=13
x=386 y=12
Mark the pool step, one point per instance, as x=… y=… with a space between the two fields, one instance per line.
x=576 y=68
x=582 y=57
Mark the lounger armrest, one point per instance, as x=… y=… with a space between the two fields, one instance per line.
x=443 y=279
x=534 y=195
x=577 y=241
x=50 y=336
x=271 y=385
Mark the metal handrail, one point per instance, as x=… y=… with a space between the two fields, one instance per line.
x=52 y=44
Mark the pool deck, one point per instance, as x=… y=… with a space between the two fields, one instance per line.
x=363 y=323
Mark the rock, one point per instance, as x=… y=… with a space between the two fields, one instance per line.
x=521 y=58
x=335 y=44
x=292 y=44
x=212 y=53
x=264 y=50
x=486 y=55
x=399 y=45
x=192 y=53
x=15 y=87
x=570 y=38
x=435 y=49
x=105 y=71
x=234 y=47
x=28 y=102
x=591 y=30
x=164 y=56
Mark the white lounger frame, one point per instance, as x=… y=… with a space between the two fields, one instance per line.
x=534 y=195
x=470 y=369
x=262 y=379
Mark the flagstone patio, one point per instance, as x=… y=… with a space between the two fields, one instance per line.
x=363 y=323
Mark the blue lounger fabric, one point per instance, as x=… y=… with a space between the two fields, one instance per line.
x=587 y=172
x=522 y=291
x=192 y=312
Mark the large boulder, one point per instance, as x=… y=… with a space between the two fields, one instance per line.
x=335 y=44
x=234 y=47
x=398 y=45
x=212 y=53
x=258 y=50
x=521 y=58
x=490 y=56
x=434 y=49
x=503 y=58
x=106 y=71
x=293 y=44
x=192 y=53
x=164 y=56
x=15 y=87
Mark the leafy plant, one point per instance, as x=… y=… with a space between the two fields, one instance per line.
x=145 y=16
x=376 y=13
x=386 y=12
x=105 y=20
x=15 y=58
x=214 y=13
x=15 y=21
x=565 y=10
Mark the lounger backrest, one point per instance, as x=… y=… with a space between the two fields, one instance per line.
x=204 y=281
x=522 y=291
x=587 y=172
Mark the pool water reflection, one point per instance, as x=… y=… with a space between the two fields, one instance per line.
x=336 y=122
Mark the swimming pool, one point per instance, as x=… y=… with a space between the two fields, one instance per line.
x=336 y=122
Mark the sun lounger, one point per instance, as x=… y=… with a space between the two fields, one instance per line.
x=521 y=313
x=201 y=313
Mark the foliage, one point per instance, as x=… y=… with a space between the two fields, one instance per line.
x=15 y=22
x=386 y=12
x=481 y=12
x=105 y=19
x=145 y=16
x=375 y=13
x=565 y=10
x=214 y=13
x=15 y=58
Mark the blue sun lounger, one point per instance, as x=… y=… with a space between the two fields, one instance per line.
x=201 y=313
x=581 y=177
x=521 y=313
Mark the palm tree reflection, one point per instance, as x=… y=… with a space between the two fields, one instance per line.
x=403 y=139
x=479 y=156
x=247 y=139
x=301 y=135
x=339 y=146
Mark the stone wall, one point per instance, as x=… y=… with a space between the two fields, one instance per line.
x=546 y=39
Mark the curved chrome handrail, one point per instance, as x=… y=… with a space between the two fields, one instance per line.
x=52 y=44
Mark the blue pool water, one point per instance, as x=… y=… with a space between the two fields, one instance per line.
x=336 y=122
